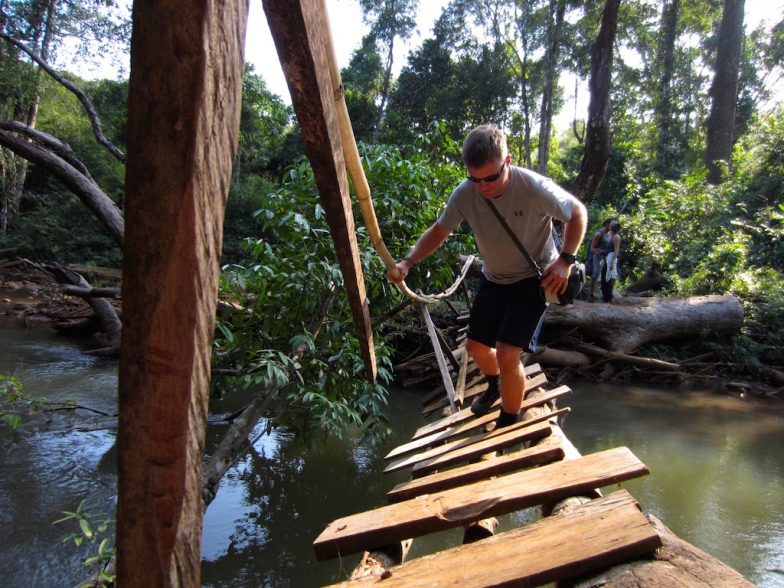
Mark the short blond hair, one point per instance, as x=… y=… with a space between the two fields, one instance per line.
x=483 y=145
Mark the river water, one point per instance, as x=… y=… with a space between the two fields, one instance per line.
x=717 y=477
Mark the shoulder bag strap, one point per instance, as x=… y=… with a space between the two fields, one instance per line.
x=510 y=232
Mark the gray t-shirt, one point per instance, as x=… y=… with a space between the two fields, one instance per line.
x=529 y=204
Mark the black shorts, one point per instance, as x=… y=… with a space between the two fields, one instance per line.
x=509 y=313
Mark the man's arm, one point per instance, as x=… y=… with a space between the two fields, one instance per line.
x=430 y=240
x=556 y=275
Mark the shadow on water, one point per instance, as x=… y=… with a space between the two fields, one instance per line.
x=717 y=469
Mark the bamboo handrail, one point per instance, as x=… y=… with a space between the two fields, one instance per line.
x=357 y=174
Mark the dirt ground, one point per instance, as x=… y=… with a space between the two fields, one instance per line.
x=31 y=297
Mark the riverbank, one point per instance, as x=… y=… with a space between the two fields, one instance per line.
x=31 y=297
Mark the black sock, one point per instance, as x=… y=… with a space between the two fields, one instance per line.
x=492 y=383
x=507 y=418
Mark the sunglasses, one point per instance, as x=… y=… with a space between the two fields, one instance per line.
x=490 y=178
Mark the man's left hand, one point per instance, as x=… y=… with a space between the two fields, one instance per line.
x=555 y=277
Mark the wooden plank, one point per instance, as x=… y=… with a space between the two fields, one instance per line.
x=598 y=534
x=488 y=498
x=462 y=449
x=460 y=387
x=297 y=30
x=525 y=458
x=441 y=436
x=466 y=414
x=530 y=384
x=506 y=437
x=184 y=102
x=445 y=375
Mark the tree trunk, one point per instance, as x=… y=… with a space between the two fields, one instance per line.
x=724 y=91
x=639 y=321
x=183 y=123
x=68 y=172
x=597 y=140
x=665 y=154
x=522 y=25
x=557 y=10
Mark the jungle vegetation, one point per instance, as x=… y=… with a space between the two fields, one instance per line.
x=694 y=222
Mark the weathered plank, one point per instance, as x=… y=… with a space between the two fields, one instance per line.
x=677 y=563
x=457 y=506
x=610 y=530
x=495 y=441
x=184 y=100
x=297 y=28
x=534 y=456
x=466 y=414
x=441 y=436
x=474 y=446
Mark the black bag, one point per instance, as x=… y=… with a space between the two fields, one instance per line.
x=576 y=275
x=573 y=287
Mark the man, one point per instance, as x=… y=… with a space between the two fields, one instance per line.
x=508 y=309
x=596 y=251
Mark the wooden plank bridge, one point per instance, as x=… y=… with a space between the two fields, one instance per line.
x=464 y=473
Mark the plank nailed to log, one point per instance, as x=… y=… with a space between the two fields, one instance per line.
x=611 y=530
x=458 y=506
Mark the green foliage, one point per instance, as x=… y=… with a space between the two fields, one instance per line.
x=92 y=530
x=265 y=123
x=56 y=226
x=289 y=330
x=289 y=297
x=725 y=239
x=11 y=395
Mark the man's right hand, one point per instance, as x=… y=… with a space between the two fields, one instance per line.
x=403 y=267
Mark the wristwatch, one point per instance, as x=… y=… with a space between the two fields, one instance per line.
x=570 y=258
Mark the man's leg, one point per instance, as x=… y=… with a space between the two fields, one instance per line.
x=512 y=377
x=485 y=359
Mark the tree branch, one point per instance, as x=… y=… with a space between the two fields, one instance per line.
x=94 y=119
x=79 y=183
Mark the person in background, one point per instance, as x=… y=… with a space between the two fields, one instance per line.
x=596 y=251
x=610 y=262
x=508 y=309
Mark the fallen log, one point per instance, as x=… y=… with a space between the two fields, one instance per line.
x=627 y=326
x=631 y=321
x=675 y=563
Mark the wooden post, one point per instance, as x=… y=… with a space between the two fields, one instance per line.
x=184 y=107
x=297 y=28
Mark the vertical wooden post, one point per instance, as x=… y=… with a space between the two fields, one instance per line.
x=184 y=107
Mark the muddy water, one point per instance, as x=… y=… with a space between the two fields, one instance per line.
x=717 y=477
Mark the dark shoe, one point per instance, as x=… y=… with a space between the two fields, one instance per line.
x=506 y=418
x=483 y=403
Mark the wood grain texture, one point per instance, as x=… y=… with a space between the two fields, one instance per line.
x=458 y=506
x=609 y=529
x=183 y=122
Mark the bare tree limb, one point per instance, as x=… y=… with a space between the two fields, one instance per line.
x=96 y=122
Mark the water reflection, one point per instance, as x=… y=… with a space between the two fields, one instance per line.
x=717 y=468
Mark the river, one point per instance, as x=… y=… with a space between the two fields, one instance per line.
x=717 y=476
